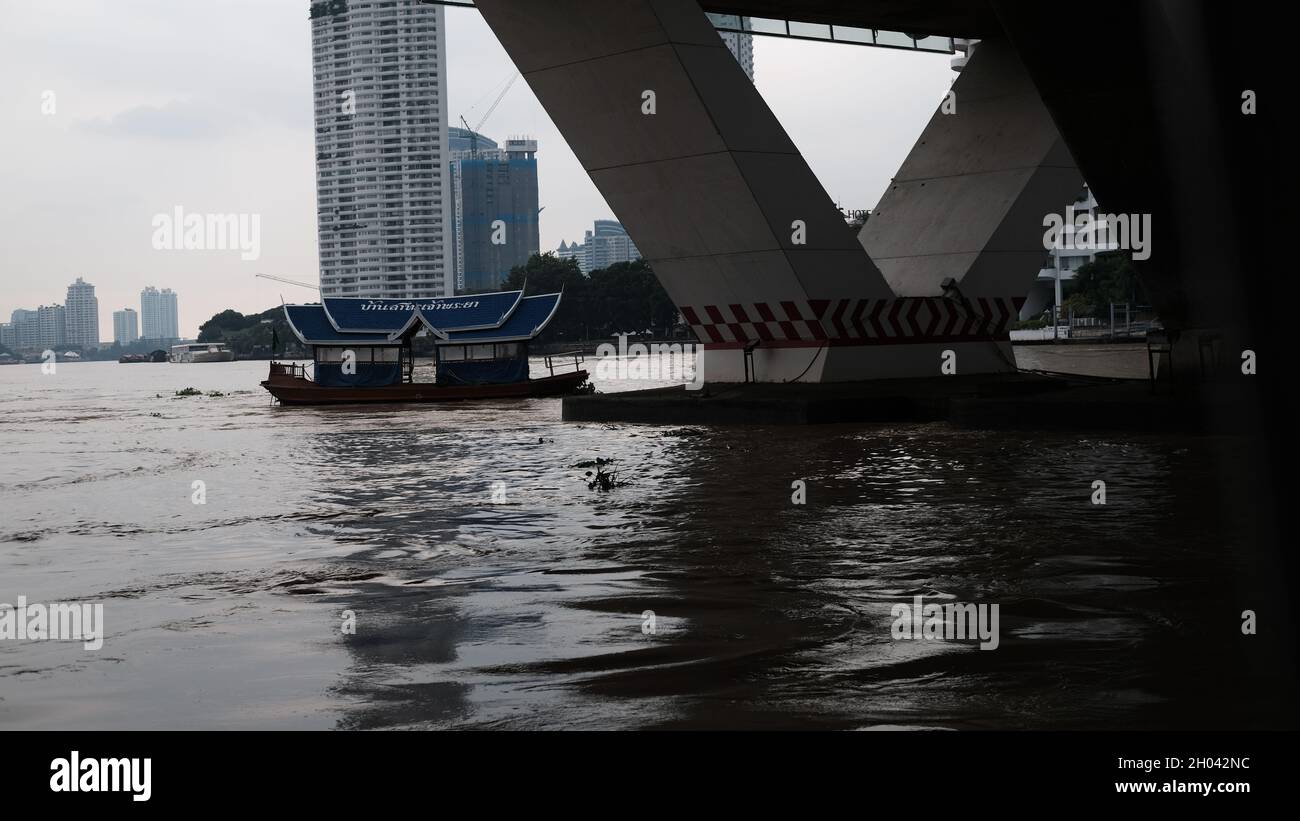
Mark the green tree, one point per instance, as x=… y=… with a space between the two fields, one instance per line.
x=628 y=298
x=624 y=298
x=546 y=274
x=216 y=328
x=252 y=335
x=1077 y=304
x=1112 y=277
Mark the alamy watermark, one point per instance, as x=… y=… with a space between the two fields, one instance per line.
x=179 y=231
x=128 y=775
x=1100 y=232
x=668 y=362
x=953 y=621
x=53 y=622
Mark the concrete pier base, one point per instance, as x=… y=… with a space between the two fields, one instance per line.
x=987 y=401
x=849 y=363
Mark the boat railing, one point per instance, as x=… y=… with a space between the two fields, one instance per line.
x=561 y=359
x=290 y=369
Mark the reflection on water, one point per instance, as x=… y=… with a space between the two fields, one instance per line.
x=527 y=612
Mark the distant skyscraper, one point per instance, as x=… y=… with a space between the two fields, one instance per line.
x=26 y=329
x=383 y=211
x=606 y=245
x=82 y=315
x=158 y=314
x=126 y=326
x=52 y=323
x=495 y=211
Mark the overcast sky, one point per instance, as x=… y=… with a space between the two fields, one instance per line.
x=207 y=105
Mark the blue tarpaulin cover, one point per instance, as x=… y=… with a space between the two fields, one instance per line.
x=368 y=375
x=490 y=372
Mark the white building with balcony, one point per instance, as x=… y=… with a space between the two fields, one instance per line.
x=81 y=313
x=382 y=200
x=1074 y=247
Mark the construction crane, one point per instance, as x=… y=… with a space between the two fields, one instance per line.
x=473 y=132
x=289 y=281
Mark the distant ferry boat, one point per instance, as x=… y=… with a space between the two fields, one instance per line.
x=201 y=352
x=362 y=350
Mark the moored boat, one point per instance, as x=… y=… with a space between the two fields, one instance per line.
x=362 y=350
x=201 y=352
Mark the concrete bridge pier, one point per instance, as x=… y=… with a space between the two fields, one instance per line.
x=744 y=238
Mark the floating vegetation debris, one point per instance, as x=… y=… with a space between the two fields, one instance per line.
x=190 y=392
x=592 y=463
x=603 y=480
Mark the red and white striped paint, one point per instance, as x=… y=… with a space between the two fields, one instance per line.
x=819 y=322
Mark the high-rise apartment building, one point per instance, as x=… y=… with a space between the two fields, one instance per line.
x=81 y=311
x=51 y=326
x=158 y=314
x=494 y=195
x=25 y=329
x=383 y=211
x=126 y=326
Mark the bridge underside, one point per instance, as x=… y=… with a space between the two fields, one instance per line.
x=1145 y=96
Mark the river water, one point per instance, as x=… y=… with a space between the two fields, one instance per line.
x=492 y=588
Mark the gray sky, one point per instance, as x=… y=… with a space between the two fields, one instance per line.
x=207 y=105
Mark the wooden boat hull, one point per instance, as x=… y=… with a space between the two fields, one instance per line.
x=294 y=390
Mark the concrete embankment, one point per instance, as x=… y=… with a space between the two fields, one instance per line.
x=1028 y=401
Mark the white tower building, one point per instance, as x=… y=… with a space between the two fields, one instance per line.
x=126 y=326
x=158 y=314
x=383 y=205
x=81 y=315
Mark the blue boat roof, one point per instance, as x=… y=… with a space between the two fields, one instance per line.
x=312 y=326
x=523 y=318
x=389 y=316
x=528 y=320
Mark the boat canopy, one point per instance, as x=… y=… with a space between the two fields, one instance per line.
x=528 y=320
x=392 y=316
x=312 y=326
x=506 y=316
